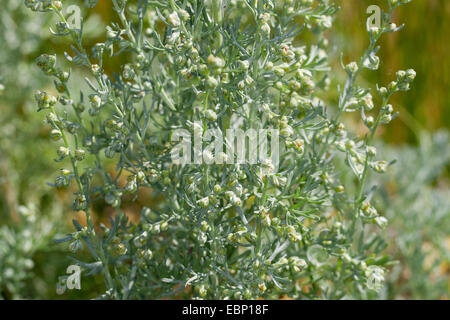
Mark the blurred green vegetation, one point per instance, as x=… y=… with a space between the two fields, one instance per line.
x=30 y=263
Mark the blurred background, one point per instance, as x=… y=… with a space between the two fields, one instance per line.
x=414 y=195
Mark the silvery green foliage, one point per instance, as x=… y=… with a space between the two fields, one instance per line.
x=20 y=234
x=29 y=215
x=416 y=201
x=222 y=230
x=18 y=244
x=18 y=40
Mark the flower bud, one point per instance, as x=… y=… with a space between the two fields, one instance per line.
x=95 y=68
x=217 y=188
x=386 y=118
x=367 y=102
x=393 y=86
x=184 y=15
x=55 y=134
x=140 y=240
x=62 y=181
x=383 y=92
x=400 y=75
x=380 y=166
x=63 y=152
x=212 y=82
x=370 y=121
x=120 y=249
x=174 y=20
x=57 y=5
x=371 y=151
x=350 y=145
x=297 y=264
x=262 y=287
x=388 y=109
x=374 y=32
x=299 y=144
x=352 y=67
x=164 y=226
x=393 y=3
x=210 y=115
x=96 y=101
x=392 y=27
x=265 y=29
x=66 y=172
x=205 y=226
x=204 y=202
x=216 y=62
x=410 y=75
x=62 y=27
x=79 y=154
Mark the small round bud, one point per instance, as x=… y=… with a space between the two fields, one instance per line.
x=63 y=152
x=57 y=5
x=400 y=75
x=410 y=75
x=174 y=20
x=383 y=92
x=393 y=86
x=297 y=264
x=262 y=287
x=389 y=109
x=374 y=31
x=216 y=62
x=367 y=102
x=79 y=154
x=391 y=27
x=120 y=249
x=184 y=15
x=204 y=226
x=393 y=3
x=380 y=166
x=386 y=118
x=96 y=101
x=204 y=202
x=212 y=82
x=352 y=67
x=95 y=68
x=66 y=172
x=370 y=121
x=244 y=64
x=350 y=144
x=371 y=151
x=210 y=115
x=55 y=134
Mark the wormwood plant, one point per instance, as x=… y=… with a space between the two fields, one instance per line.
x=226 y=229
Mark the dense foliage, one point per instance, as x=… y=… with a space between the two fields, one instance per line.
x=304 y=224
